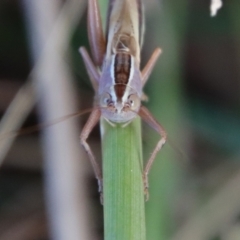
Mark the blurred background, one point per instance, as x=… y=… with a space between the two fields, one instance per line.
x=193 y=92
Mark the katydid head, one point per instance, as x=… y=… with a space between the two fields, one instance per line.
x=119 y=103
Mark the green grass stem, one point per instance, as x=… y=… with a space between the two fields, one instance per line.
x=124 y=213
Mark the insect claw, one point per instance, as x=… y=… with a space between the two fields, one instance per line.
x=146 y=193
x=100 y=186
x=100 y=190
x=145 y=180
x=146 y=186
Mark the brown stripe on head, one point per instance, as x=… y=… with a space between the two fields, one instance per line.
x=122 y=68
x=120 y=90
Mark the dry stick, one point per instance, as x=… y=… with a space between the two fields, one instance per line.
x=63 y=176
x=15 y=116
x=24 y=101
x=223 y=207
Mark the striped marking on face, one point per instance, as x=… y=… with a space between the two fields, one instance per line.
x=122 y=73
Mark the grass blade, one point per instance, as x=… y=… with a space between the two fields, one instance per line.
x=124 y=214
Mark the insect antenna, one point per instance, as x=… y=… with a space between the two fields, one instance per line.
x=38 y=127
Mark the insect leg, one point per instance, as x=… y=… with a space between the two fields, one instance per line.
x=147 y=70
x=92 y=121
x=93 y=73
x=95 y=32
x=152 y=122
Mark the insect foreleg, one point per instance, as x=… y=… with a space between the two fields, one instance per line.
x=93 y=73
x=152 y=122
x=147 y=70
x=92 y=121
x=95 y=32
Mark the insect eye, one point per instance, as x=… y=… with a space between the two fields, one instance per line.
x=134 y=101
x=106 y=99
